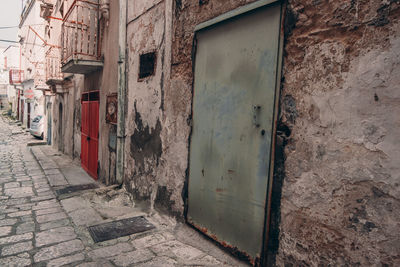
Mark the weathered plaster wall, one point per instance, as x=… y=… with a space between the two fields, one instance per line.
x=69 y=109
x=55 y=117
x=143 y=145
x=108 y=84
x=340 y=98
x=78 y=87
x=69 y=141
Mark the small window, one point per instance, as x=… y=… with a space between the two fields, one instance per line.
x=94 y=96
x=85 y=97
x=147 y=65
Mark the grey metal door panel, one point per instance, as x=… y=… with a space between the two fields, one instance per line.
x=233 y=104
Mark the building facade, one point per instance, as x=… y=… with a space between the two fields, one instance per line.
x=11 y=59
x=30 y=91
x=268 y=125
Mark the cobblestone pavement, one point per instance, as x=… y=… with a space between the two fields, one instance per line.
x=38 y=229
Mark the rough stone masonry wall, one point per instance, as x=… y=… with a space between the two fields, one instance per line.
x=341 y=100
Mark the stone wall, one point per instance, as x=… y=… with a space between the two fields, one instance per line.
x=340 y=100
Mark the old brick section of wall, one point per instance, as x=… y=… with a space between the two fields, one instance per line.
x=340 y=97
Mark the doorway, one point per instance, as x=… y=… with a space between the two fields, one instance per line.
x=236 y=68
x=18 y=104
x=90 y=132
x=49 y=123
x=22 y=112
x=28 y=121
x=60 y=128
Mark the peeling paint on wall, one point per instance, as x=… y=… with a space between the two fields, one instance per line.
x=145 y=143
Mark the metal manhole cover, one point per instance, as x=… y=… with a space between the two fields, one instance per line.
x=120 y=228
x=75 y=188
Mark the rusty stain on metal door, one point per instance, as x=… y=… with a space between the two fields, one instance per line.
x=236 y=68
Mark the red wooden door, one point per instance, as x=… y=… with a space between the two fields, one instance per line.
x=90 y=132
x=93 y=137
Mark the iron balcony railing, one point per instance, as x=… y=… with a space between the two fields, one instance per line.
x=16 y=76
x=39 y=78
x=39 y=75
x=53 y=64
x=80 y=32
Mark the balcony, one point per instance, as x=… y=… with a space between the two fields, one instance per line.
x=39 y=78
x=53 y=66
x=81 y=38
x=16 y=76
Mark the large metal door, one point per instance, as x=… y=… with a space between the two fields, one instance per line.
x=233 y=112
x=90 y=132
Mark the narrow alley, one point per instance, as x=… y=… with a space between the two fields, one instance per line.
x=199 y=133
x=41 y=226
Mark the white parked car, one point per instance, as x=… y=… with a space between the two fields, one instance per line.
x=37 y=127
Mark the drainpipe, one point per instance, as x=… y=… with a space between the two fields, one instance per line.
x=121 y=90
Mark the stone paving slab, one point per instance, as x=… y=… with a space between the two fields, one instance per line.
x=16 y=248
x=133 y=257
x=19 y=260
x=16 y=238
x=66 y=260
x=55 y=235
x=58 y=250
x=51 y=217
x=109 y=251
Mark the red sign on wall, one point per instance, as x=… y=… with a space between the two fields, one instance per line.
x=29 y=94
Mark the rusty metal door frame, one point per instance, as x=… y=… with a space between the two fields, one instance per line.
x=274 y=135
x=224 y=17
